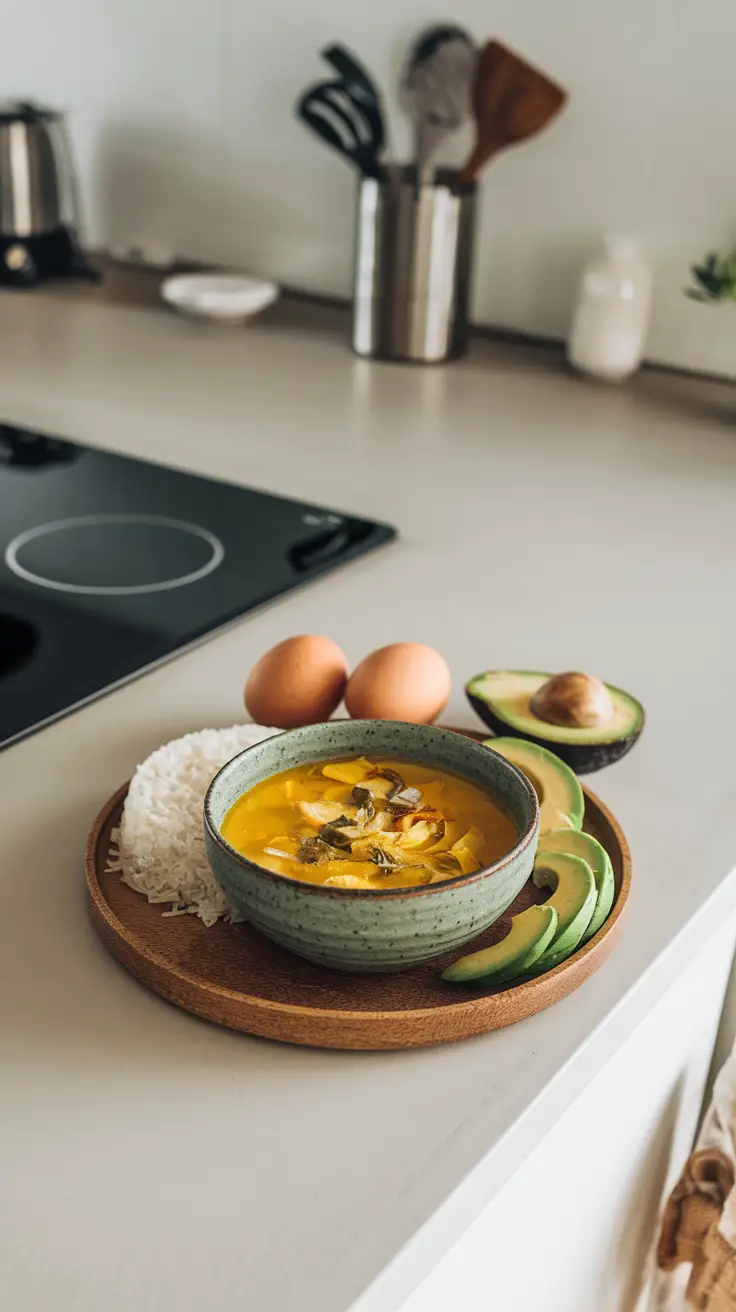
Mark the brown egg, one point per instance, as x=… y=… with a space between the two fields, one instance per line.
x=406 y=681
x=300 y=681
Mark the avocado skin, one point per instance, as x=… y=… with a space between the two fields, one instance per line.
x=583 y=758
x=544 y=967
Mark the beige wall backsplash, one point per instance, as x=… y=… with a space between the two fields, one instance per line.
x=181 y=114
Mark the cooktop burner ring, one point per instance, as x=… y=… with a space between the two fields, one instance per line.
x=182 y=526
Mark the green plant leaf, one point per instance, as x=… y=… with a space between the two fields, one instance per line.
x=715 y=278
x=710 y=283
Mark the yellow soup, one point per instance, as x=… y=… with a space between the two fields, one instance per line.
x=369 y=824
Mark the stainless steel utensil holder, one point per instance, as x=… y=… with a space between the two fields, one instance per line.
x=413 y=261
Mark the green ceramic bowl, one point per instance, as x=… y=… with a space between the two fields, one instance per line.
x=365 y=929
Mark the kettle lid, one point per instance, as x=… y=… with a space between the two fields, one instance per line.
x=25 y=111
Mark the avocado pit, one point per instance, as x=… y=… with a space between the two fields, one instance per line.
x=573 y=700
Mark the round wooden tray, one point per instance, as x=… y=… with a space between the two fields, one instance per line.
x=234 y=976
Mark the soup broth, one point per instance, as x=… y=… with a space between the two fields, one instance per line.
x=369 y=824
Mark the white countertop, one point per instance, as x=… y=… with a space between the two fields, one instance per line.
x=149 y=1160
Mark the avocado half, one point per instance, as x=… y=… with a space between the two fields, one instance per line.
x=502 y=699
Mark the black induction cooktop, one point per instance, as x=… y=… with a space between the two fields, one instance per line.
x=109 y=565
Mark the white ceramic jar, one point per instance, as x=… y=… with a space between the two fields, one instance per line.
x=611 y=318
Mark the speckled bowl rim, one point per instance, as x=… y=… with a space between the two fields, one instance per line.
x=421 y=890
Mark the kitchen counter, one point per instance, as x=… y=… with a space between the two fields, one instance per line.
x=149 y=1160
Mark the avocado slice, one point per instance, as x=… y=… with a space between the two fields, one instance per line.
x=573 y=899
x=502 y=699
x=531 y=933
x=561 y=800
x=583 y=845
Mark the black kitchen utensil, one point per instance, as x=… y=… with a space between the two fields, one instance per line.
x=353 y=127
x=358 y=81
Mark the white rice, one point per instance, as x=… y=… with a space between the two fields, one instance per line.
x=160 y=843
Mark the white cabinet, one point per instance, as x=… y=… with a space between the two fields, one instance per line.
x=570 y=1230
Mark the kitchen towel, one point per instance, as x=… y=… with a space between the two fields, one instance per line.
x=692 y=1263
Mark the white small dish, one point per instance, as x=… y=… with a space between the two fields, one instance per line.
x=222 y=298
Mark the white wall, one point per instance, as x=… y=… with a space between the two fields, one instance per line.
x=181 y=111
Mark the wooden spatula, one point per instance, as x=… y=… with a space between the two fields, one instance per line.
x=512 y=101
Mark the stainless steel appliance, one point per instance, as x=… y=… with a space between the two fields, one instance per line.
x=39 y=206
